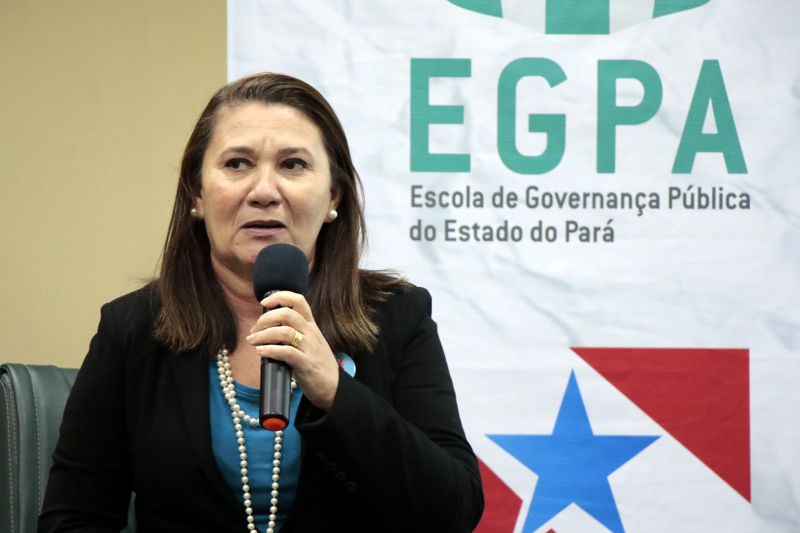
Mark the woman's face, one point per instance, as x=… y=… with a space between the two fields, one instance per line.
x=265 y=179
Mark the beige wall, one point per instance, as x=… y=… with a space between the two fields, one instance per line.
x=97 y=98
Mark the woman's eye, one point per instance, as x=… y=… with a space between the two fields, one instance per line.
x=238 y=163
x=295 y=164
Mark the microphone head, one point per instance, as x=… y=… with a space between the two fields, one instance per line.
x=280 y=267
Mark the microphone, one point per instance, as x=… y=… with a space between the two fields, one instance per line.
x=279 y=267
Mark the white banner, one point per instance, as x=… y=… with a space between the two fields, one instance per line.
x=602 y=197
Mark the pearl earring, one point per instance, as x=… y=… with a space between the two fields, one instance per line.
x=193 y=212
x=332 y=214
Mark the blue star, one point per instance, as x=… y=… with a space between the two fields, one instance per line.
x=573 y=464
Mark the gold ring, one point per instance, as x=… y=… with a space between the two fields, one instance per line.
x=297 y=340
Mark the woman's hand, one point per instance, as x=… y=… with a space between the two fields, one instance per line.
x=287 y=332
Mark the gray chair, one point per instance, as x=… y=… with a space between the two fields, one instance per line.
x=32 y=399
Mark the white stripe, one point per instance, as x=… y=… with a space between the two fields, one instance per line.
x=624 y=13
x=530 y=13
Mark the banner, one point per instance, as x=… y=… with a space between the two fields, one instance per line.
x=602 y=197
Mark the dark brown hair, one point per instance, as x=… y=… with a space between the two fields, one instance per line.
x=194 y=313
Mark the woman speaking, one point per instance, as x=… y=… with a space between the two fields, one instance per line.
x=166 y=404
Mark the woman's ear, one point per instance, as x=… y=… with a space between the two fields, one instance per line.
x=336 y=194
x=197 y=210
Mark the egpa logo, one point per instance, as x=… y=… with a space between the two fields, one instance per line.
x=578 y=17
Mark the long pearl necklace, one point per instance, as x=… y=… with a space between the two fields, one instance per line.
x=239 y=416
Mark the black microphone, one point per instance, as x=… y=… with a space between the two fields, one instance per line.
x=278 y=267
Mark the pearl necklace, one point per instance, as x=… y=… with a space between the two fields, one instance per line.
x=239 y=416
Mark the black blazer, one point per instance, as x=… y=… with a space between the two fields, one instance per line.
x=390 y=455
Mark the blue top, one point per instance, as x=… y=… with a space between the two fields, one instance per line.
x=259 y=444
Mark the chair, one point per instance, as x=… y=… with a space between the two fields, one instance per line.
x=32 y=399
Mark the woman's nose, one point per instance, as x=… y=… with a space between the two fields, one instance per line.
x=264 y=190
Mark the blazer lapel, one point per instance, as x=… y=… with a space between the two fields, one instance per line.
x=191 y=379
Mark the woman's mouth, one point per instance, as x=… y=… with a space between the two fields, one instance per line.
x=263 y=228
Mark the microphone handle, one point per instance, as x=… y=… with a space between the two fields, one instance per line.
x=276 y=391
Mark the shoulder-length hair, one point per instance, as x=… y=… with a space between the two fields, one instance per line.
x=194 y=313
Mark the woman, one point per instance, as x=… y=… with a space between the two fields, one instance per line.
x=165 y=402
